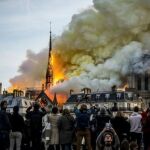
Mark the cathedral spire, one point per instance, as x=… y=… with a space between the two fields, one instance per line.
x=55 y=102
x=49 y=72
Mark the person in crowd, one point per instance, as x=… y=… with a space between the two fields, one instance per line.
x=93 y=129
x=133 y=145
x=83 y=125
x=102 y=118
x=120 y=125
x=125 y=143
x=96 y=108
x=54 y=133
x=17 y=124
x=47 y=127
x=107 y=139
x=148 y=109
x=97 y=123
x=115 y=108
x=136 y=127
x=35 y=118
x=146 y=131
x=66 y=129
x=26 y=138
x=5 y=127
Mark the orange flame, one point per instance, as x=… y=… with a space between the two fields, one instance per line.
x=58 y=76
x=10 y=89
x=123 y=88
x=61 y=97
x=58 y=68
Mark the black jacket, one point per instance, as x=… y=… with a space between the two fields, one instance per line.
x=17 y=122
x=101 y=121
x=121 y=126
x=35 y=119
x=4 y=121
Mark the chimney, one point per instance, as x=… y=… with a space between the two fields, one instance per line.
x=0 y=88
x=20 y=93
x=17 y=93
x=71 y=91
x=114 y=88
x=14 y=93
x=5 y=92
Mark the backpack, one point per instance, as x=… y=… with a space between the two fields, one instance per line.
x=83 y=121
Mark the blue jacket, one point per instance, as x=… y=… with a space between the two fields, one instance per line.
x=82 y=118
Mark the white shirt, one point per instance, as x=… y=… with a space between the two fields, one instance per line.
x=135 y=122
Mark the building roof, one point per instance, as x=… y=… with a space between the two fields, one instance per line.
x=102 y=97
x=44 y=96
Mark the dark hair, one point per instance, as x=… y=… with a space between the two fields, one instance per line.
x=2 y=103
x=136 y=109
x=65 y=112
x=16 y=109
x=55 y=110
x=125 y=145
x=115 y=103
x=83 y=107
x=36 y=106
x=133 y=145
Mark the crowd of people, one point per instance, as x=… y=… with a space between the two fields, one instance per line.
x=94 y=128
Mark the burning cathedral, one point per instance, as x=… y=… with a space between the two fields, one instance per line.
x=106 y=45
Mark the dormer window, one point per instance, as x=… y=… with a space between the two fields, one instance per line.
x=107 y=96
x=118 y=95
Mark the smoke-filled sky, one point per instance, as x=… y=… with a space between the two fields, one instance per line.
x=99 y=48
x=104 y=44
x=24 y=25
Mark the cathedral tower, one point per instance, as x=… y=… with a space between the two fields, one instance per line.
x=49 y=72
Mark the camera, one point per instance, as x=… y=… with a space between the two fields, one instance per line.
x=108 y=126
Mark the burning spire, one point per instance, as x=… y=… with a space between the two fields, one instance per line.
x=55 y=102
x=49 y=72
x=100 y=48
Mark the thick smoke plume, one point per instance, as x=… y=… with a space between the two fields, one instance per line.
x=105 y=43
x=100 y=47
x=32 y=70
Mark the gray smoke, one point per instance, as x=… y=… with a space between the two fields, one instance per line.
x=100 y=47
x=32 y=70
